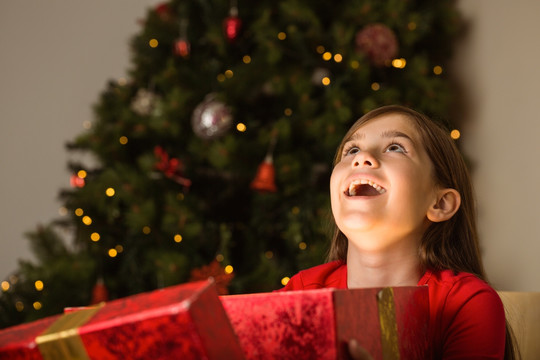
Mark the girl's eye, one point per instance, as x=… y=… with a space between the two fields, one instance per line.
x=395 y=147
x=351 y=150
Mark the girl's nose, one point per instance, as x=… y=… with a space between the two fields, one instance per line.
x=364 y=159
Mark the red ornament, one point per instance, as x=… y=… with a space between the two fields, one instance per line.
x=182 y=47
x=99 y=292
x=378 y=42
x=76 y=181
x=170 y=167
x=232 y=25
x=265 y=179
x=216 y=271
x=164 y=11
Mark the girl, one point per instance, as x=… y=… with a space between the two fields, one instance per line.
x=403 y=207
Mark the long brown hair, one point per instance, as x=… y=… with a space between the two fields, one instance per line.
x=451 y=244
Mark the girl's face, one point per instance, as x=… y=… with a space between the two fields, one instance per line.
x=383 y=184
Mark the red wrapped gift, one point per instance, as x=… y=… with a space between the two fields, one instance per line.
x=184 y=321
x=390 y=323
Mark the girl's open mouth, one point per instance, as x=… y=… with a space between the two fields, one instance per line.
x=364 y=187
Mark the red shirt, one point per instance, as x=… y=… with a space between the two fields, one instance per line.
x=467 y=318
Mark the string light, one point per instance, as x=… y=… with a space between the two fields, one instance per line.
x=39 y=285
x=5 y=286
x=325 y=81
x=320 y=49
x=123 y=140
x=180 y=196
x=229 y=74
x=302 y=246
x=95 y=237
x=241 y=127
x=153 y=43
x=355 y=64
x=110 y=192
x=327 y=56
x=288 y=112
x=119 y=248
x=411 y=26
x=178 y=238
x=437 y=70
x=285 y=280
x=87 y=220
x=246 y=59
x=79 y=212
x=19 y=306
x=220 y=257
x=269 y=254
x=375 y=86
x=399 y=63
x=112 y=253
x=455 y=134
x=37 y=305
x=281 y=35
x=82 y=174
x=221 y=78
x=229 y=269
x=146 y=230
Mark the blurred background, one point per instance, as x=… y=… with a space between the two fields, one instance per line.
x=58 y=56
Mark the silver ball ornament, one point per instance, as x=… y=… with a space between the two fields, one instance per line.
x=211 y=118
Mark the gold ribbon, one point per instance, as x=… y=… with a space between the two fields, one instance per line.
x=387 y=319
x=61 y=340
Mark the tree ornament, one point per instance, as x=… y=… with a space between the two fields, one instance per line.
x=216 y=271
x=211 y=118
x=378 y=42
x=164 y=11
x=99 y=292
x=264 y=180
x=171 y=167
x=76 y=181
x=182 y=46
x=232 y=24
x=143 y=102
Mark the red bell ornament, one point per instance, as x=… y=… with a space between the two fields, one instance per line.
x=265 y=179
x=232 y=25
x=99 y=292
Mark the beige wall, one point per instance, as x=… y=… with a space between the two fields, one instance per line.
x=58 y=54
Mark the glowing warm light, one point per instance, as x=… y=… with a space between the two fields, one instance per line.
x=269 y=254
x=221 y=78
x=79 y=212
x=153 y=43
x=178 y=238
x=229 y=74
x=241 y=127
x=112 y=253
x=302 y=246
x=62 y=211
x=146 y=230
x=399 y=63
x=220 y=257
x=37 y=305
x=355 y=64
x=375 y=86
x=87 y=124
x=281 y=36
x=5 y=286
x=338 y=58
x=39 y=285
x=437 y=70
x=285 y=280
x=295 y=210
x=320 y=49
x=95 y=237
x=455 y=134
x=327 y=56
x=110 y=192
x=82 y=174
x=288 y=112
x=325 y=81
x=123 y=140
x=119 y=248
x=180 y=196
x=229 y=269
x=19 y=306
x=411 y=26
x=246 y=59
x=87 y=220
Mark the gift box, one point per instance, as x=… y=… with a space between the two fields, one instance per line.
x=184 y=321
x=390 y=323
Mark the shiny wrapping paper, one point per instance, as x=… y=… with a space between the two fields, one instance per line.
x=180 y=322
x=390 y=323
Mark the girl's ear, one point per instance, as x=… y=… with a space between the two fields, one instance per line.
x=445 y=206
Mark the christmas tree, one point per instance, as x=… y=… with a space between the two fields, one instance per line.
x=213 y=157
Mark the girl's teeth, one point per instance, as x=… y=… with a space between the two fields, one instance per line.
x=355 y=183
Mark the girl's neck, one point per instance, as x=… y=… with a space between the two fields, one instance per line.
x=392 y=268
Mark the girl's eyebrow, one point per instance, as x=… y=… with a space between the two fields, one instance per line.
x=384 y=134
